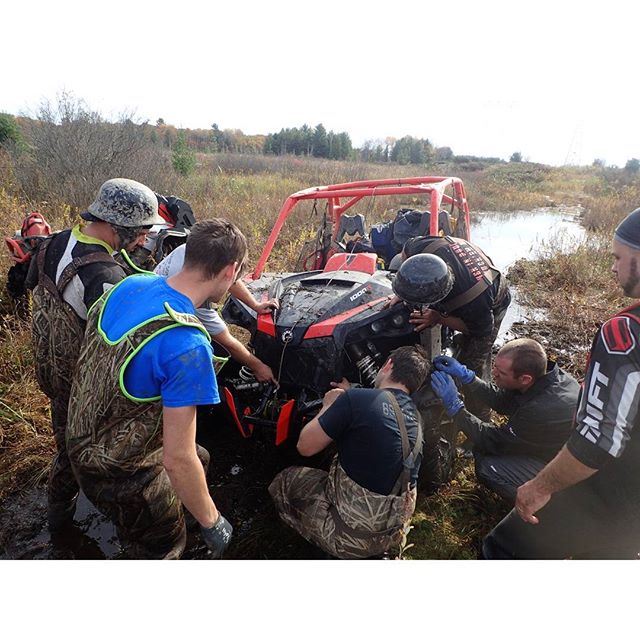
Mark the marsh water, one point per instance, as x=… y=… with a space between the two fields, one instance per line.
x=508 y=237
x=240 y=469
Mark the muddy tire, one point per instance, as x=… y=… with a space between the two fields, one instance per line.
x=439 y=451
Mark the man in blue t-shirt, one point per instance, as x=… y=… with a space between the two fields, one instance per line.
x=360 y=508
x=144 y=367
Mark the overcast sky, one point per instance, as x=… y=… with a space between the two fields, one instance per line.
x=555 y=81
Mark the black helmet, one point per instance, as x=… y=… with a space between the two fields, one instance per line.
x=423 y=279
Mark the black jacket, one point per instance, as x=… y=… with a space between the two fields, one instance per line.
x=539 y=421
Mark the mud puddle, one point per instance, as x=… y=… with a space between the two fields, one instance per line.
x=239 y=475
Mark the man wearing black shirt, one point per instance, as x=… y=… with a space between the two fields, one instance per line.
x=475 y=306
x=360 y=507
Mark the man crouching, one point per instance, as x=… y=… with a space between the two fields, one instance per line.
x=144 y=366
x=361 y=507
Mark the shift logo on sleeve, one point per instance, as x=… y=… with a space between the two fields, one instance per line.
x=594 y=415
x=617 y=336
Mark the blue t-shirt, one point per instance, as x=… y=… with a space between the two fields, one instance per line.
x=176 y=364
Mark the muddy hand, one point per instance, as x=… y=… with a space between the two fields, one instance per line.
x=263 y=373
x=217 y=537
x=267 y=306
x=344 y=384
x=530 y=498
x=425 y=319
x=391 y=301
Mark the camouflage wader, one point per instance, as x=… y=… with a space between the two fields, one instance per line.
x=475 y=353
x=57 y=333
x=338 y=515
x=115 y=440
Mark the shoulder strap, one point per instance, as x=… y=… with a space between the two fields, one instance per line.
x=439 y=243
x=71 y=270
x=470 y=294
x=131 y=265
x=43 y=279
x=186 y=319
x=408 y=457
x=489 y=275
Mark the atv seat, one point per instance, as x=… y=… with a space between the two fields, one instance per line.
x=351 y=225
x=364 y=262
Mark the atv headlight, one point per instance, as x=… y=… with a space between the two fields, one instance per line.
x=398 y=320
x=377 y=326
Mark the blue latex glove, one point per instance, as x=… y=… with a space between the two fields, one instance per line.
x=217 y=537
x=454 y=368
x=445 y=388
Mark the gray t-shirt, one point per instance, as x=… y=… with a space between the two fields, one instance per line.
x=170 y=266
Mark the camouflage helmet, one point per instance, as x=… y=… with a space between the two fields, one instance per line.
x=125 y=203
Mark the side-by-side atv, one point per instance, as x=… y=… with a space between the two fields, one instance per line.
x=334 y=320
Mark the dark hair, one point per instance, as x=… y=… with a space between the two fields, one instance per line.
x=214 y=244
x=411 y=366
x=527 y=357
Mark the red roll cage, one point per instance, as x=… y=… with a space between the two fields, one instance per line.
x=341 y=197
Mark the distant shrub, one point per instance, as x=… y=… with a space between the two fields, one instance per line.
x=182 y=157
x=9 y=130
x=71 y=150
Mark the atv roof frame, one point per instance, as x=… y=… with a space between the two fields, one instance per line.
x=335 y=195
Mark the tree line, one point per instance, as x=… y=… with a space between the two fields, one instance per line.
x=66 y=137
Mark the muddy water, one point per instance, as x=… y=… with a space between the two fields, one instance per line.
x=241 y=469
x=507 y=237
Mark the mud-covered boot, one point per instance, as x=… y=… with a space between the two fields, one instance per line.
x=60 y=514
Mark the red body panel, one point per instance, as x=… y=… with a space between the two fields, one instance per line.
x=326 y=327
x=284 y=422
x=363 y=262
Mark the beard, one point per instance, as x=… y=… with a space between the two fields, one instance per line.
x=630 y=287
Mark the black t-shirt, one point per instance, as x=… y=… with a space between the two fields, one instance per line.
x=468 y=267
x=363 y=424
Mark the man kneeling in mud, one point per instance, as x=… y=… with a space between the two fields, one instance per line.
x=361 y=507
x=145 y=364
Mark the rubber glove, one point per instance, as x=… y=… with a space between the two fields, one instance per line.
x=454 y=368
x=217 y=537
x=445 y=388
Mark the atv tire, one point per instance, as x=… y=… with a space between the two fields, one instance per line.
x=439 y=450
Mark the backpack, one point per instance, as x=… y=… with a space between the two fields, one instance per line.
x=408 y=224
x=388 y=238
